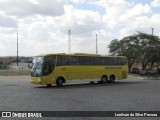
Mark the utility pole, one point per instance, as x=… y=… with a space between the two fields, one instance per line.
x=69 y=42
x=152 y=31
x=96 y=45
x=17 y=49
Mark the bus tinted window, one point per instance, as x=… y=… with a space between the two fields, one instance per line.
x=74 y=60
x=62 y=60
x=117 y=61
x=49 y=64
x=110 y=61
x=124 y=61
x=101 y=61
x=87 y=60
x=95 y=61
x=81 y=60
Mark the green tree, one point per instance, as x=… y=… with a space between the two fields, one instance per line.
x=149 y=47
x=127 y=47
x=142 y=48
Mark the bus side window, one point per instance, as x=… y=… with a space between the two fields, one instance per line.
x=110 y=61
x=101 y=61
x=87 y=60
x=95 y=61
x=48 y=65
x=117 y=61
x=62 y=60
x=123 y=61
x=106 y=61
x=74 y=60
x=81 y=60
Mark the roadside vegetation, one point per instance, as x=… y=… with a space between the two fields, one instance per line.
x=140 y=48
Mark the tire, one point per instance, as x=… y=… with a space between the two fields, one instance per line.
x=104 y=79
x=49 y=85
x=59 y=82
x=112 y=79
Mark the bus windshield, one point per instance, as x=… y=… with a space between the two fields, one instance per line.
x=37 y=67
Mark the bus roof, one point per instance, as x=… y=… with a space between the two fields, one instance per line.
x=80 y=54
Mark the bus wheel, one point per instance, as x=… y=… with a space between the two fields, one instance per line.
x=49 y=85
x=112 y=79
x=104 y=79
x=59 y=82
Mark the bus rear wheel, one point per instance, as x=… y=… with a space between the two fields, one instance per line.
x=112 y=79
x=49 y=85
x=59 y=82
x=104 y=79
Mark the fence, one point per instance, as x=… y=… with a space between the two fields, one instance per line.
x=4 y=66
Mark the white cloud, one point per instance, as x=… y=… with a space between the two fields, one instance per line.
x=24 y=8
x=79 y=21
x=155 y=3
x=118 y=13
x=114 y=10
x=7 y=22
x=43 y=25
x=78 y=1
x=139 y=9
x=143 y=24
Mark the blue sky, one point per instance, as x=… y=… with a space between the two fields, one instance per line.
x=43 y=25
x=87 y=6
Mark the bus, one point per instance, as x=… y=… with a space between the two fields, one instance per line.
x=60 y=68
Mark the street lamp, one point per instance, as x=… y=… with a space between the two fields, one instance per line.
x=152 y=31
x=96 y=45
x=17 y=49
x=69 y=42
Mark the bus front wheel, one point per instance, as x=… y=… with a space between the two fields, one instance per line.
x=59 y=82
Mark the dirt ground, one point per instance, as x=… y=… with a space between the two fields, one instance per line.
x=14 y=72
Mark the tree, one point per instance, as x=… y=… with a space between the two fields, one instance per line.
x=149 y=47
x=127 y=47
x=142 y=48
x=114 y=47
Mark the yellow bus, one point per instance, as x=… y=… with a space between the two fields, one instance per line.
x=59 y=68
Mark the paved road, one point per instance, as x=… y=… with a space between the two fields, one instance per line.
x=133 y=94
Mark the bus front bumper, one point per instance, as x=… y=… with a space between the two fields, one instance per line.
x=36 y=81
x=42 y=80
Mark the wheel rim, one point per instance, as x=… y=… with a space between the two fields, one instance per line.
x=60 y=82
x=112 y=79
x=104 y=79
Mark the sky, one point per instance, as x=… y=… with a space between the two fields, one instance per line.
x=42 y=25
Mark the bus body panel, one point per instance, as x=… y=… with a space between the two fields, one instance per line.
x=81 y=72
